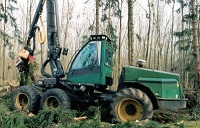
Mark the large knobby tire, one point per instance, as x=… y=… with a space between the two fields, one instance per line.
x=26 y=98
x=55 y=98
x=130 y=105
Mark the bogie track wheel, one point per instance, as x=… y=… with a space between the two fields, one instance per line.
x=26 y=98
x=55 y=98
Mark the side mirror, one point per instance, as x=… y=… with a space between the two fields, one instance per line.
x=65 y=51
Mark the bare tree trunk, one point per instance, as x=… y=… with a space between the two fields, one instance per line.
x=166 y=53
x=120 y=7
x=130 y=32
x=172 y=37
x=97 y=16
x=1 y=44
x=195 y=45
x=30 y=16
x=41 y=45
x=26 y=29
x=181 y=64
x=120 y=38
x=0 y=6
x=67 y=19
x=1 y=39
x=13 y=62
x=158 y=36
x=148 y=33
x=4 y=42
x=151 y=51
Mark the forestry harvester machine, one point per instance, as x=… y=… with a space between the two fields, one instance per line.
x=140 y=90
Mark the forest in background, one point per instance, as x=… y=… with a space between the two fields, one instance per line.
x=161 y=32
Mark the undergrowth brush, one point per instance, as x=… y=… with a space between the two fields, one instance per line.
x=64 y=118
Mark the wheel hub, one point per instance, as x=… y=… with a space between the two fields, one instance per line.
x=22 y=101
x=52 y=102
x=130 y=109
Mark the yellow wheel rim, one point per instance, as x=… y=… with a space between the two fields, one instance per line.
x=130 y=109
x=52 y=102
x=22 y=101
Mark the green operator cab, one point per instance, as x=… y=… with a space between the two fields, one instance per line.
x=93 y=63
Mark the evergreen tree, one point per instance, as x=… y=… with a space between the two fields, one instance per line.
x=187 y=43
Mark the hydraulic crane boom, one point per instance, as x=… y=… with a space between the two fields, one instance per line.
x=54 y=49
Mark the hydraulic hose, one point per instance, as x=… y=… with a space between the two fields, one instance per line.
x=43 y=69
x=42 y=41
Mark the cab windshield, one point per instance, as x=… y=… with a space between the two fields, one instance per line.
x=88 y=56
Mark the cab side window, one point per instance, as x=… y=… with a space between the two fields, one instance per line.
x=108 y=58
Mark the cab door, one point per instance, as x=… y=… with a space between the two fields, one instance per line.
x=86 y=67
